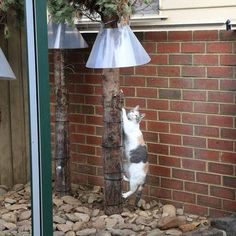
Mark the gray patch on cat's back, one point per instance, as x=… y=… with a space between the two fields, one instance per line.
x=139 y=154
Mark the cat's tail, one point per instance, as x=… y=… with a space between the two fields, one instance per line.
x=139 y=194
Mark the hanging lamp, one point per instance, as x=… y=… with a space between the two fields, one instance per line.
x=63 y=36
x=115 y=48
x=6 y=72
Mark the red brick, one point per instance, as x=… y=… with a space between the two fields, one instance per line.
x=219 y=47
x=145 y=70
x=203 y=35
x=157 y=82
x=228 y=133
x=93 y=140
x=196 y=187
x=220 y=144
x=158 y=104
x=228 y=157
x=169 y=93
x=159 y=59
x=95 y=160
x=77 y=118
x=194 y=164
x=87 y=149
x=208 y=178
x=217 y=213
x=227 y=35
x=228 y=60
x=168 y=47
x=221 y=121
x=156 y=36
x=206 y=131
x=205 y=60
x=193 y=47
x=180 y=59
x=227 y=109
x=220 y=72
x=150 y=136
x=194 y=209
x=156 y=126
x=181 y=151
x=208 y=84
x=179 y=36
x=95 y=180
x=160 y=193
x=229 y=181
x=181 y=129
x=169 y=116
x=169 y=161
x=220 y=97
x=132 y=102
x=126 y=71
x=159 y=170
x=228 y=85
x=194 y=95
x=194 y=118
x=153 y=180
x=194 y=141
x=158 y=148
x=134 y=81
x=172 y=184
x=93 y=100
x=222 y=192
x=193 y=71
x=85 y=129
x=150 y=47
x=183 y=174
x=94 y=120
x=206 y=155
x=229 y=205
x=184 y=197
x=201 y=107
x=146 y=92
x=170 y=71
x=170 y=139
x=183 y=106
x=209 y=201
x=220 y=168
x=150 y=115
x=180 y=83
x=77 y=138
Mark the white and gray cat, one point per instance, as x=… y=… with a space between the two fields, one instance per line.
x=136 y=165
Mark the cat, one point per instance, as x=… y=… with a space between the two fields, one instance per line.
x=135 y=153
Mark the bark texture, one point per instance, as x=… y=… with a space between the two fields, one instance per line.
x=112 y=141
x=62 y=156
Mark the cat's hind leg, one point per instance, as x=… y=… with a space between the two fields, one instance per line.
x=133 y=187
x=139 y=194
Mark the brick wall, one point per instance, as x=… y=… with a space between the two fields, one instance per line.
x=188 y=94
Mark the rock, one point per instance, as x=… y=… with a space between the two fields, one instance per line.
x=25 y=228
x=174 y=232
x=64 y=227
x=96 y=189
x=180 y=211
x=110 y=222
x=18 y=187
x=83 y=217
x=187 y=227
x=77 y=226
x=10 y=217
x=92 y=198
x=95 y=212
x=59 y=220
x=72 y=217
x=86 y=232
x=122 y=232
x=70 y=233
x=84 y=210
x=10 y=200
x=66 y=208
x=17 y=207
x=57 y=202
x=171 y=222
x=71 y=200
x=58 y=233
x=156 y=232
x=103 y=233
x=143 y=213
x=99 y=224
x=25 y=215
x=228 y=224
x=168 y=210
x=10 y=225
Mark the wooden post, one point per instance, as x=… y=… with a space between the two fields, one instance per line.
x=62 y=165
x=111 y=141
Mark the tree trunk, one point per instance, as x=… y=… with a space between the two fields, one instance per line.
x=62 y=165
x=111 y=141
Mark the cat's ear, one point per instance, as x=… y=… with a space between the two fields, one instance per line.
x=142 y=116
x=136 y=108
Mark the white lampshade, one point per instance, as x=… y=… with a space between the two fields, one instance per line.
x=117 y=47
x=6 y=72
x=62 y=36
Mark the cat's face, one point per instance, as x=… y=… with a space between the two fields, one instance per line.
x=134 y=115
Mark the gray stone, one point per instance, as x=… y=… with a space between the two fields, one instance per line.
x=156 y=232
x=228 y=224
x=86 y=232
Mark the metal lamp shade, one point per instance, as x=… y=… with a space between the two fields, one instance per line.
x=62 y=36
x=115 y=48
x=6 y=72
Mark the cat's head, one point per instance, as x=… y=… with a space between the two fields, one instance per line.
x=134 y=115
